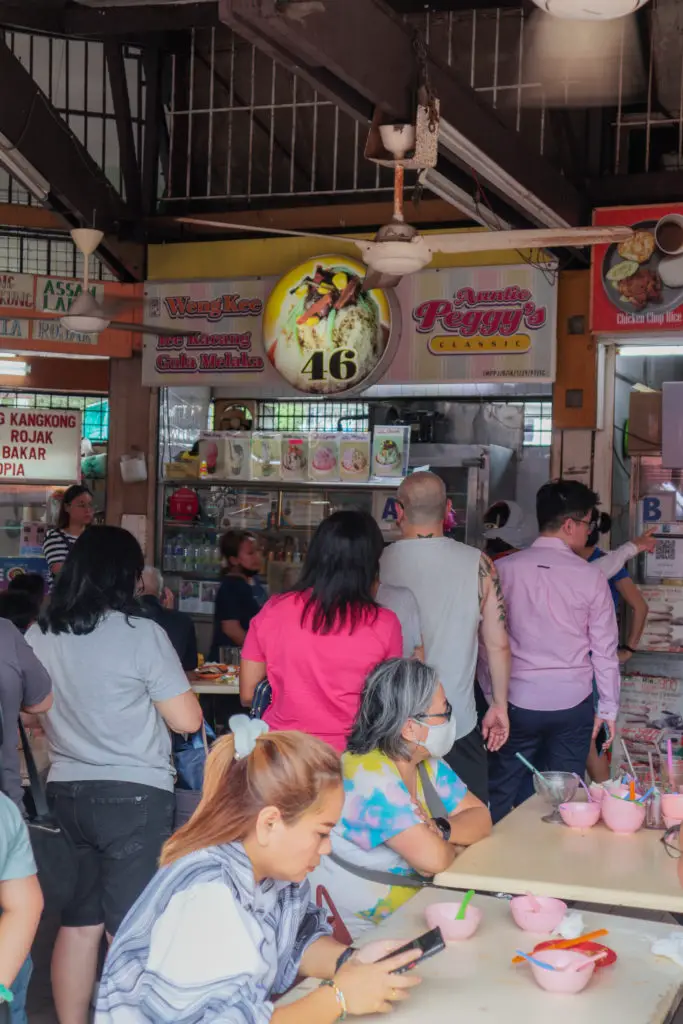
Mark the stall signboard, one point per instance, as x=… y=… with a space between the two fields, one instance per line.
x=11 y=567
x=40 y=446
x=637 y=285
x=29 y=294
x=315 y=332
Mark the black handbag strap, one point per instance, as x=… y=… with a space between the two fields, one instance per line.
x=437 y=809
x=35 y=782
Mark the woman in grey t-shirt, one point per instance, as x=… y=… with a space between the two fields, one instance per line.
x=118 y=688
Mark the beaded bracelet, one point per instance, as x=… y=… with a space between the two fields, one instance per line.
x=341 y=1001
x=6 y=995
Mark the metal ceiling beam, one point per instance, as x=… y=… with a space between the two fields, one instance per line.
x=113 y=53
x=361 y=55
x=79 y=190
x=77 y=22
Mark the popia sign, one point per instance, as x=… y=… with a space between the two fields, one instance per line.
x=40 y=446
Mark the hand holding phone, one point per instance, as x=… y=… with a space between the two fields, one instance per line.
x=425 y=946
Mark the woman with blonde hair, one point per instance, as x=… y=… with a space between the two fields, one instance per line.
x=227 y=924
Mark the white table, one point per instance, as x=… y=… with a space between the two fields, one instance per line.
x=475 y=980
x=233 y=689
x=525 y=854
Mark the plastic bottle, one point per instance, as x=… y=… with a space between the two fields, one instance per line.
x=169 y=555
x=178 y=550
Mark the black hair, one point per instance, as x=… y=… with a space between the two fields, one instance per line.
x=70 y=494
x=494 y=547
x=560 y=500
x=231 y=542
x=100 y=575
x=31 y=583
x=340 y=572
x=602 y=524
x=19 y=608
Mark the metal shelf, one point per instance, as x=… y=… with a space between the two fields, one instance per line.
x=294 y=485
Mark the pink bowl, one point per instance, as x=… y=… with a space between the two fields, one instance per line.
x=597 y=792
x=569 y=981
x=580 y=815
x=672 y=808
x=622 y=816
x=544 y=920
x=442 y=915
x=615 y=788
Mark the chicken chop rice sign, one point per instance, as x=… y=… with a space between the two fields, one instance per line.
x=322 y=333
x=40 y=445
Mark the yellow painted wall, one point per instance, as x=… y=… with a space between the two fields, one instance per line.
x=265 y=257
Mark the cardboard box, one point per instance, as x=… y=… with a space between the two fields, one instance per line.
x=645 y=423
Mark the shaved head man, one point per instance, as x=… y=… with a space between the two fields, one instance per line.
x=460 y=602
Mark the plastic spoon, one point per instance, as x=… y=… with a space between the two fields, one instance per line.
x=536 y=907
x=460 y=916
x=533 y=960
x=582 y=783
x=528 y=764
x=574 y=968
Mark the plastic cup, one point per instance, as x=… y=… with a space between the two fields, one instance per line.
x=566 y=979
x=443 y=915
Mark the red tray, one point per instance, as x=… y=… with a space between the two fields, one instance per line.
x=586 y=947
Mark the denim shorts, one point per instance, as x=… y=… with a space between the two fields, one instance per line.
x=118 y=829
x=17 y=1009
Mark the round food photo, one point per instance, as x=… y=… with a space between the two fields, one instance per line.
x=639 y=276
x=322 y=332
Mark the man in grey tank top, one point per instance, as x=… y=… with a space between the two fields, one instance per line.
x=460 y=601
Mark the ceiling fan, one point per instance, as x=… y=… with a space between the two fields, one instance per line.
x=88 y=316
x=597 y=61
x=399 y=249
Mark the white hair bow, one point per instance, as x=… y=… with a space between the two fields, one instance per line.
x=245 y=732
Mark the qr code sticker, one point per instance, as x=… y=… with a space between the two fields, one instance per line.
x=665 y=550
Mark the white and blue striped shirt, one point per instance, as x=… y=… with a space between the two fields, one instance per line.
x=206 y=943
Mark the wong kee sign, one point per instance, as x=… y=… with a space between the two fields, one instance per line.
x=40 y=446
x=270 y=338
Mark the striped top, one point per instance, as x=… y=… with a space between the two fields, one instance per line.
x=56 y=547
x=204 y=942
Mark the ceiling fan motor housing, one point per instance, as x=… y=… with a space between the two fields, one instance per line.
x=590 y=10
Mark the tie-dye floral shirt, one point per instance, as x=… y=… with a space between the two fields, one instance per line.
x=377 y=806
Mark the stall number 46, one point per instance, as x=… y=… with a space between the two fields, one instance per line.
x=342 y=365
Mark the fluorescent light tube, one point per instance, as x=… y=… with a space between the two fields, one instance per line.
x=8 y=368
x=651 y=350
x=444 y=188
x=24 y=172
x=457 y=145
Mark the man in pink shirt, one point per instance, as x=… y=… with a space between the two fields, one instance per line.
x=563 y=633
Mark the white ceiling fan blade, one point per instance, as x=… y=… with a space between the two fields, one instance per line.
x=161 y=332
x=251 y=229
x=534 y=238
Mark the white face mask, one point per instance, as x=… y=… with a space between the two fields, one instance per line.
x=440 y=738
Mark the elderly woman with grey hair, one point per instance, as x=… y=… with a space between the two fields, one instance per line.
x=406 y=813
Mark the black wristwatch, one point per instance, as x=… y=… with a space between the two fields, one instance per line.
x=346 y=955
x=444 y=827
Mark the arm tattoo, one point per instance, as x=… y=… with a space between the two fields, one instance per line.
x=487 y=570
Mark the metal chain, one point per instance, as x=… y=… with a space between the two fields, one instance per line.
x=424 y=82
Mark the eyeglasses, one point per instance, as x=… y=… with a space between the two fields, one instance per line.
x=446 y=715
x=590 y=523
x=672 y=842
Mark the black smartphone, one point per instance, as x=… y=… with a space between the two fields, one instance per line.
x=428 y=945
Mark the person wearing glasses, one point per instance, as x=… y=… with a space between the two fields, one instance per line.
x=388 y=829
x=563 y=631
x=76 y=513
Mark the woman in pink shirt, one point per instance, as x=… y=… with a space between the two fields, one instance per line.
x=317 y=644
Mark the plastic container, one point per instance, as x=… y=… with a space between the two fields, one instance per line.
x=672 y=808
x=597 y=792
x=622 y=816
x=442 y=915
x=580 y=815
x=544 y=921
x=569 y=981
